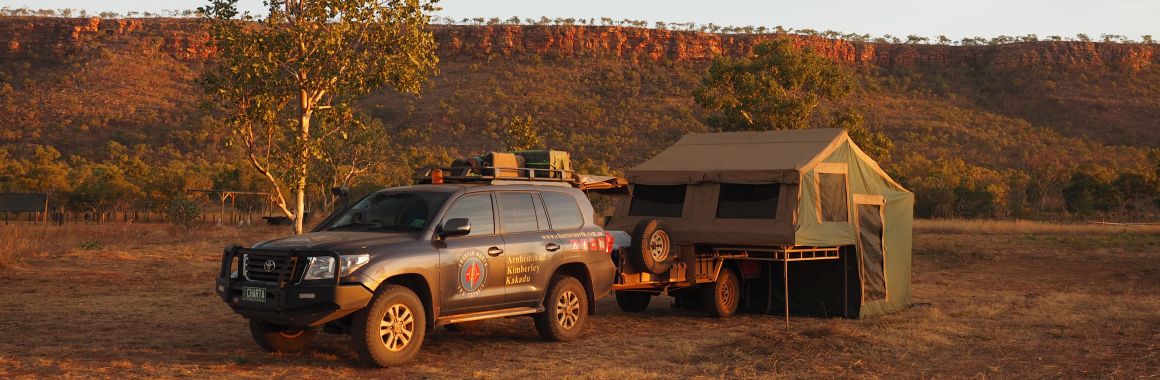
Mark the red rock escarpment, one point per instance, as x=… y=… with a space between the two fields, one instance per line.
x=186 y=39
x=652 y=44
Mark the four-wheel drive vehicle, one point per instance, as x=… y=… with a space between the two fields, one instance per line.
x=400 y=261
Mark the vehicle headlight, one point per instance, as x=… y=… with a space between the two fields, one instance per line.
x=322 y=267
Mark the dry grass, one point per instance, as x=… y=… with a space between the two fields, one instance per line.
x=21 y=241
x=990 y=227
x=1009 y=305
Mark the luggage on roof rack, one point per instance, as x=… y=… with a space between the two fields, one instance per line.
x=503 y=165
x=546 y=159
x=544 y=167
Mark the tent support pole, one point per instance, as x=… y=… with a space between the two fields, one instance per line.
x=785 y=278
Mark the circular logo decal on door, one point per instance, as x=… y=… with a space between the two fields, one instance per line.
x=472 y=271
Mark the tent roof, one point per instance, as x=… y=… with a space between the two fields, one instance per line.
x=756 y=156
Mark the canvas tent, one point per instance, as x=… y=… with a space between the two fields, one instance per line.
x=810 y=187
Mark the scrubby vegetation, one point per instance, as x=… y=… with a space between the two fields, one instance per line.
x=117 y=124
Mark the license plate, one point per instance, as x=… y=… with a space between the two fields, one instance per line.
x=253 y=294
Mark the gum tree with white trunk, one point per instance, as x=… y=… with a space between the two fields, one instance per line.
x=275 y=77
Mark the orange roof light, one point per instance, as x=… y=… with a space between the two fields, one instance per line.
x=437 y=176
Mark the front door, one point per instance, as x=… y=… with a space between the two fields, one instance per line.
x=472 y=266
x=871 y=247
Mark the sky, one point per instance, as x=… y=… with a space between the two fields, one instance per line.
x=955 y=19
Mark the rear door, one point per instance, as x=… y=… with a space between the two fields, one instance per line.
x=566 y=242
x=472 y=267
x=524 y=223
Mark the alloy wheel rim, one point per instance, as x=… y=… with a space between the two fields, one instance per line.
x=658 y=245
x=397 y=327
x=568 y=309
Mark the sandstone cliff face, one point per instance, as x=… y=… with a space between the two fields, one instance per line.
x=650 y=44
x=186 y=40
x=57 y=37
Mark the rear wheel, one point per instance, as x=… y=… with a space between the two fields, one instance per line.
x=633 y=302
x=277 y=338
x=565 y=310
x=390 y=330
x=721 y=298
x=652 y=246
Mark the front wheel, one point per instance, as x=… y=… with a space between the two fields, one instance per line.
x=565 y=310
x=276 y=338
x=390 y=330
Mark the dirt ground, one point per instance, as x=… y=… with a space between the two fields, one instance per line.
x=138 y=302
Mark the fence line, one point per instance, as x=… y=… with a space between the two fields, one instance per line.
x=209 y=215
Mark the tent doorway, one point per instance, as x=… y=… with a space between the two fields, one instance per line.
x=869 y=226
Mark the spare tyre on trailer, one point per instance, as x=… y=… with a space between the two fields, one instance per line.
x=723 y=216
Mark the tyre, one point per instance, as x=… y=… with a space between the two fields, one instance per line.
x=633 y=302
x=721 y=298
x=565 y=310
x=276 y=338
x=652 y=246
x=390 y=330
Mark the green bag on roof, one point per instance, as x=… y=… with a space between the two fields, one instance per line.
x=547 y=159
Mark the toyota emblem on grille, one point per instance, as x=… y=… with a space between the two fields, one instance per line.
x=270 y=265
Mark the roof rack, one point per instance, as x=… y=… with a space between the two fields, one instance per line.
x=465 y=174
x=533 y=176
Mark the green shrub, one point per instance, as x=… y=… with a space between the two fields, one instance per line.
x=89 y=245
x=183 y=212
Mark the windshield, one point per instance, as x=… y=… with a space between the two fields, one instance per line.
x=391 y=211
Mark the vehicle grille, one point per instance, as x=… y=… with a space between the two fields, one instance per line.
x=255 y=269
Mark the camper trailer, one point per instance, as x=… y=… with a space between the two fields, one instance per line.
x=771 y=222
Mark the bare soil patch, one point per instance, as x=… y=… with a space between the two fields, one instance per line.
x=139 y=304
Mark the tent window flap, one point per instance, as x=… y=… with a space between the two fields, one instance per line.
x=832 y=197
x=872 y=252
x=744 y=201
x=657 y=200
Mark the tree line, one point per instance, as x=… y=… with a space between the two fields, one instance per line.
x=911 y=39
x=953 y=188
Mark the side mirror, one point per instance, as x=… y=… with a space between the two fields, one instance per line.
x=340 y=191
x=455 y=227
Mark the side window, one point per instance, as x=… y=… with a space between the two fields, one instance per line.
x=562 y=211
x=739 y=201
x=652 y=200
x=477 y=209
x=517 y=212
x=832 y=197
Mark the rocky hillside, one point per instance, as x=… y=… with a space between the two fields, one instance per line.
x=613 y=95
x=184 y=39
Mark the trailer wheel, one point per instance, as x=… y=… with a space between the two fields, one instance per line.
x=633 y=302
x=722 y=297
x=652 y=246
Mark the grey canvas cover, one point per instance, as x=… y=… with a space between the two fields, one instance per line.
x=735 y=157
